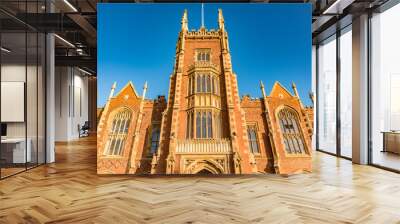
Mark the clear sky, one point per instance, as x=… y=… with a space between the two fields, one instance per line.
x=269 y=42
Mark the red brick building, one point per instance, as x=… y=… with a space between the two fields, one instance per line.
x=204 y=126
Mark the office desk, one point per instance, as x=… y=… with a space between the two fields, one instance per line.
x=13 y=150
x=391 y=141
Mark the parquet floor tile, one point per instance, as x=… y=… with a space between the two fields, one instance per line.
x=70 y=191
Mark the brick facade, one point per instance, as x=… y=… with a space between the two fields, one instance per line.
x=204 y=126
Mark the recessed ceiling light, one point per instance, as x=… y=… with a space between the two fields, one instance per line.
x=70 y=5
x=84 y=71
x=64 y=40
x=5 y=50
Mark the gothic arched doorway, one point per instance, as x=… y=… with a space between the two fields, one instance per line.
x=204 y=167
x=204 y=172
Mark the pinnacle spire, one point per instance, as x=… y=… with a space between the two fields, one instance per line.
x=295 y=90
x=144 y=90
x=184 y=21
x=112 y=90
x=221 y=20
x=312 y=97
x=262 y=89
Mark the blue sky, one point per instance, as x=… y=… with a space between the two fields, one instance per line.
x=269 y=42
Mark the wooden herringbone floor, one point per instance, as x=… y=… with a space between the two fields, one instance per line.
x=69 y=191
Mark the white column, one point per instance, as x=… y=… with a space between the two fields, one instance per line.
x=50 y=99
x=360 y=90
x=314 y=92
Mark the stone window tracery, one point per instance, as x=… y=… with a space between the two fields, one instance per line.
x=118 y=132
x=155 y=138
x=198 y=125
x=205 y=83
x=252 y=136
x=209 y=125
x=291 y=131
x=198 y=84
x=203 y=124
x=203 y=55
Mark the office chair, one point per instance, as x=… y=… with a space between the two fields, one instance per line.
x=84 y=130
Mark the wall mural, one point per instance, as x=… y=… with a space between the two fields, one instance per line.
x=200 y=124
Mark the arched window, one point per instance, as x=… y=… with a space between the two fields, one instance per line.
x=117 y=132
x=198 y=83
x=252 y=135
x=203 y=84
x=155 y=139
x=191 y=125
x=198 y=125
x=203 y=54
x=190 y=86
x=189 y=131
x=290 y=128
x=209 y=126
x=204 y=125
x=217 y=86
x=208 y=90
x=213 y=85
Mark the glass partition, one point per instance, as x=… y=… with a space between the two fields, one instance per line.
x=22 y=101
x=31 y=97
x=346 y=92
x=385 y=89
x=13 y=86
x=327 y=95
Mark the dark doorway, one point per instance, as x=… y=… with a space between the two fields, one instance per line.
x=204 y=172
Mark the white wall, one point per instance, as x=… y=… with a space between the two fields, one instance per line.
x=71 y=102
x=16 y=73
x=33 y=126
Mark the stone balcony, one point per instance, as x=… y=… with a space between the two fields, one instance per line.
x=200 y=65
x=204 y=146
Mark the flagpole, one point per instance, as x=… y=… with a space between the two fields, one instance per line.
x=202 y=14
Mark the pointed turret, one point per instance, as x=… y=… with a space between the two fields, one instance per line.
x=221 y=23
x=312 y=98
x=184 y=21
x=144 y=90
x=223 y=33
x=262 y=89
x=112 y=90
x=295 y=90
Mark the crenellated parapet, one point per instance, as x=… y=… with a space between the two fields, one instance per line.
x=203 y=33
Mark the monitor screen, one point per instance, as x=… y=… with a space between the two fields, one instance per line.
x=3 y=129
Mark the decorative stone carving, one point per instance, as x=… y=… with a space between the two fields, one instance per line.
x=253 y=162
x=236 y=162
x=154 y=163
